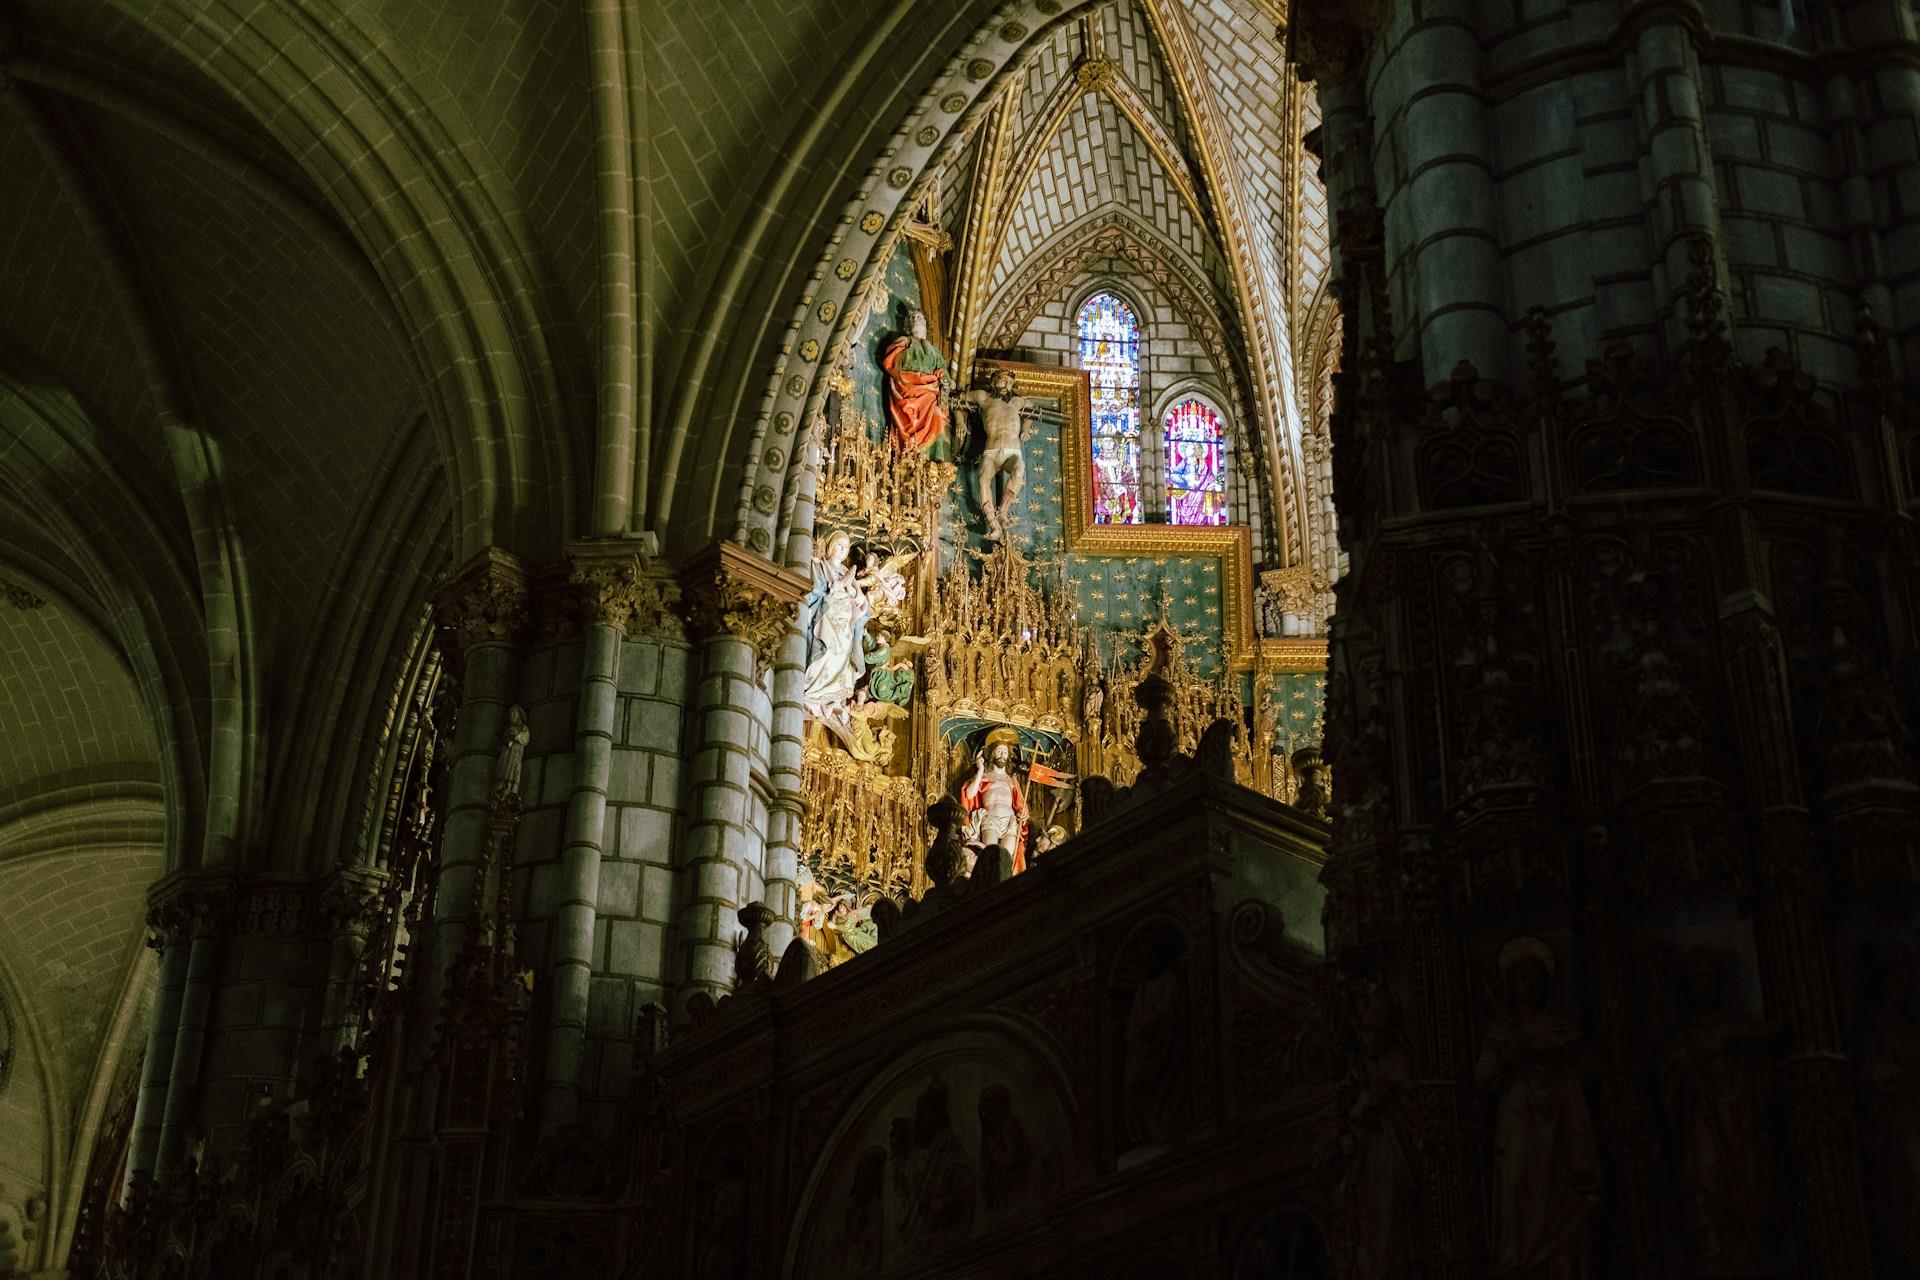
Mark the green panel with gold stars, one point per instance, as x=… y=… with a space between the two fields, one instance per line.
x=1119 y=594
x=1297 y=699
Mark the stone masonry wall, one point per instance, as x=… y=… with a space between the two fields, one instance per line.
x=634 y=901
x=1504 y=188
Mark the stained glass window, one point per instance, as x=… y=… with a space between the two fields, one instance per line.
x=1110 y=353
x=1196 y=465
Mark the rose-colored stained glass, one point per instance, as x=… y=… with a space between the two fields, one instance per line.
x=1196 y=465
x=1110 y=353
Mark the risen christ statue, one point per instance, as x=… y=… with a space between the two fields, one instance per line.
x=1003 y=419
x=996 y=807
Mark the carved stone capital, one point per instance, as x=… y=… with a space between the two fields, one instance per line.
x=351 y=898
x=603 y=582
x=183 y=907
x=1330 y=37
x=727 y=590
x=484 y=602
x=277 y=909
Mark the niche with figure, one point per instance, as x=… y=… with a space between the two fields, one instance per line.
x=1880 y=990
x=1533 y=1064
x=1151 y=1040
x=1716 y=1060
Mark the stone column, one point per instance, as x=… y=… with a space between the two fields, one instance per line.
x=738 y=608
x=207 y=908
x=1876 y=111
x=1620 y=697
x=483 y=618
x=1432 y=119
x=349 y=904
x=608 y=590
x=1677 y=183
x=167 y=934
x=787 y=808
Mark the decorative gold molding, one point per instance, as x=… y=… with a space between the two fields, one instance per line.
x=1275 y=10
x=1231 y=544
x=730 y=591
x=1293 y=116
x=1302 y=655
x=926 y=233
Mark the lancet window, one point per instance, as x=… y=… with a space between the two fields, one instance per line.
x=1196 y=464
x=1109 y=335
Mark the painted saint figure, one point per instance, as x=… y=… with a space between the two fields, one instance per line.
x=833 y=616
x=917 y=387
x=1003 y=419
x=890 y=677
x=996 y=806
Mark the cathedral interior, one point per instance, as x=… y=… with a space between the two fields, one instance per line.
x=1078 y=639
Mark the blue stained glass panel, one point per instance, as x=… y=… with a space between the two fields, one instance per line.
x=1110 y=353
x=1196 y=452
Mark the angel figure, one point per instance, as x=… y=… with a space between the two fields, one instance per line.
x=886 y=583
x=890 y=666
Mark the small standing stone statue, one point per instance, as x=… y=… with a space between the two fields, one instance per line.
x=513 y=749
x=1714 y=1089
x=1546 y=1162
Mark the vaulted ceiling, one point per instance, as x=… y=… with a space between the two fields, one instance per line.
x=1097 y=125
x=81 y=823
x=1170 y=126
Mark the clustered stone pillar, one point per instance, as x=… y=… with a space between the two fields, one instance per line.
x=206 y=906
x=786 y=809
x=739 y=608
x=1627 y=814
x=167 y=934
x=483 y=616
x=349 y=906
x=609 y=589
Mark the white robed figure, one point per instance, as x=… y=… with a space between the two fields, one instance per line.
x=833 y=615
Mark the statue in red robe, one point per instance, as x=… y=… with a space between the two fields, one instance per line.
x=917 y=387
x=995 y=804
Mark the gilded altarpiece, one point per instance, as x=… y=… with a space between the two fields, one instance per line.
x=1036 y=639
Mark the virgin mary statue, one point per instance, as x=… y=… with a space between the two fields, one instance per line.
x=834 y=618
